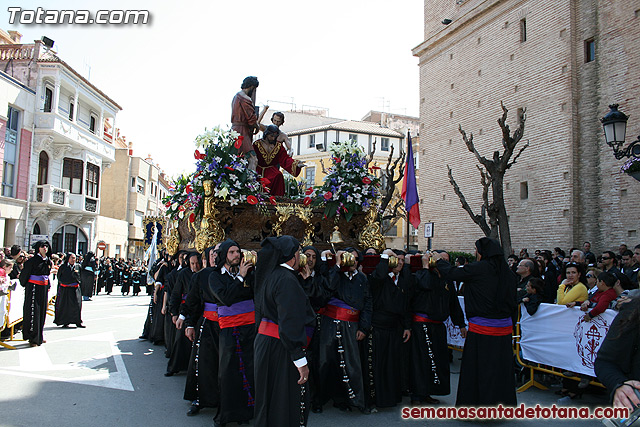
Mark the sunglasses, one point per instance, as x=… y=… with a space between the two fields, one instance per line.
x=605 y=257
x=590 y=276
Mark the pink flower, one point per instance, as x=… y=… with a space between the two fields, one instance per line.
x=252 y=200
x=307 y=201
x=328 y=195
x=366 y=180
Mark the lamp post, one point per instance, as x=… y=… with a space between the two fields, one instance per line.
x=615 y=130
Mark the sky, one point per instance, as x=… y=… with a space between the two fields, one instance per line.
x=176 y=75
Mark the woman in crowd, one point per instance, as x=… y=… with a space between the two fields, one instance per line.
x=572 y=289
x=88 y=276
x=592 y=280
x=69 y=298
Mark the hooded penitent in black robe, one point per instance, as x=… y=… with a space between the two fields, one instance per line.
x=432 y=301
x=158 y=326
x=486 y=372
x=169 y=278
x=126 y=281
x=316 y=289
x=136 y=279
x=181 y=347
x=201 y=312
x=88 y=274
x=347 y=311
x=35 y=279
x=286 y=326
x=383 y=361
x=69 y=298
x=236 y=317
x=108 y=280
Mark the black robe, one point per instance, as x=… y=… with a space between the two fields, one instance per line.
x=235 y=372
x=181 y=347
x=35 y=297
x=340 y=367
x=88 y=278
x=108 y=279
x=383 y=349
x=202 y=375
x=136 y=280
x=126 y=282
x=69 y=297
x=168 y=279
x=436 y=300
x=486 y=372
x=316 y=289
x=280 y=400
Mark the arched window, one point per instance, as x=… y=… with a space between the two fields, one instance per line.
x=69 y=238
x=43 y=168
x=36 y=229
x=48 y=99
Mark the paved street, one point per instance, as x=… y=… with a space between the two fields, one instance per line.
x=105 y=376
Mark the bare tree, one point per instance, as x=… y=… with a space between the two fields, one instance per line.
x=492 y=177
x=391 y=205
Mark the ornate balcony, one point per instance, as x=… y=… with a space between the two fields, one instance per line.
x=50 y=195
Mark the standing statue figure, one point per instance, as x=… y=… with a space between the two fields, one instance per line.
x=244 y=117
x=272 y=155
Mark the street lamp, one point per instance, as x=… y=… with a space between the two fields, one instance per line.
x=615 y=130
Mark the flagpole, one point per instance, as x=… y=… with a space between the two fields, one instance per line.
x=407 y=219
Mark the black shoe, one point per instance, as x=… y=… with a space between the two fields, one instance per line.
x=80 y=325
x=366 y=410
x=430 y=400
x=217 y=424
x=243 y=423
x=169 y=374
x=343 y=407
x=316 y=409
x=65 y=326
x=193 y=410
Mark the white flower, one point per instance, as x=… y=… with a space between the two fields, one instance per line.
x=181 y=215
x=349 y=198
x=174 y=206
x=222 y=192
x=233 y=201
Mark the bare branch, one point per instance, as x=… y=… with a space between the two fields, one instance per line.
x=478 y=219
x=324 y=171
x=517 y=155
x=373 y=151
x=468 y=140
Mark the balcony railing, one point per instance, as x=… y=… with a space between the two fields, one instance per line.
x=90 y=205
x=52 y=195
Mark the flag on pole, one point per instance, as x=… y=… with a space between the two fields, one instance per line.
x=151 y=255
x=410 y=189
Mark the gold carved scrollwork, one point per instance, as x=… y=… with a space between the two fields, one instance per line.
x=174 y=240
x=210 y=231
x=288 y=210
x=371 y=237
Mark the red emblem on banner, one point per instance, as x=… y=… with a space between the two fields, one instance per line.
x=589 y=337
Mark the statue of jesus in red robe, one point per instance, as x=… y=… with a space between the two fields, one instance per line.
x=272 y=155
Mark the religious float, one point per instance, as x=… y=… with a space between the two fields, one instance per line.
x=225 y=198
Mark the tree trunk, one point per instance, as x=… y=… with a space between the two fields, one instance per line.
x=497 y=181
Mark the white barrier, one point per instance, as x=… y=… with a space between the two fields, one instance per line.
x=558 y=336
x=555 y=335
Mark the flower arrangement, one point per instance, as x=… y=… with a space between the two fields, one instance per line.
x=219 y=162
x=183 y=199
x=349 y=187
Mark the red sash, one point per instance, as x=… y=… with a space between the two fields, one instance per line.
x=210 y=315
x=271 y=329
x=72 y=285
x=237 y=320
x=490 y=330
x=340 y=313
x=418 y=318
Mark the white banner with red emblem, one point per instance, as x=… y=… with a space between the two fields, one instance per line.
x=560 y=337
x=454 y=337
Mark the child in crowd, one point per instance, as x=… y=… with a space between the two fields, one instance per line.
x=533 y=297
x=600 y=300
x=6 y=266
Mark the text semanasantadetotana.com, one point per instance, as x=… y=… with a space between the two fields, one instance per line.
x=518 y=412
